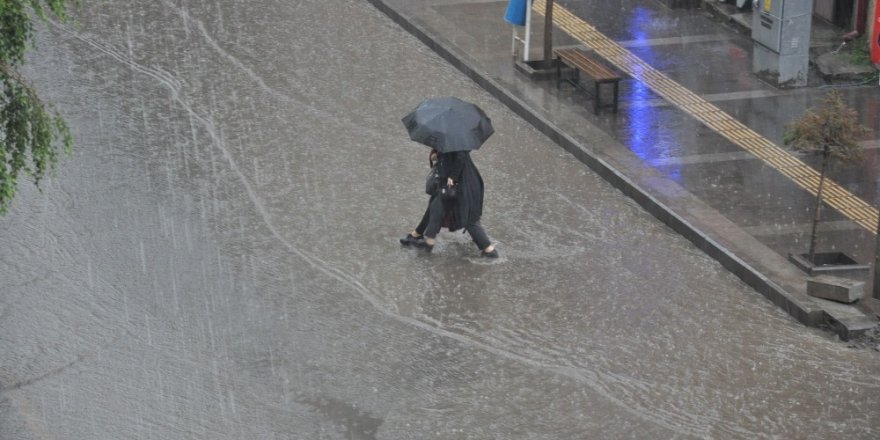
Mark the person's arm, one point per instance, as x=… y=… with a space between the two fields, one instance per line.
x=454 y=165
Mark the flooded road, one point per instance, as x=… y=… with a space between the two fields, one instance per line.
x=218 y=259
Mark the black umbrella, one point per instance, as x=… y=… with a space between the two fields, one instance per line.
x=448 y=124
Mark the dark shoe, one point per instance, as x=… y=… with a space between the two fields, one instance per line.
x=409 y=240
x=493 y=254
x=423 y=245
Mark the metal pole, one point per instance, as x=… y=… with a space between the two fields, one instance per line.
x=528 y=31
x=513 y=43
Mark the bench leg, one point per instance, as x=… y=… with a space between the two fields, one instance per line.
x=597 y=103
x=558 y=72
x=615 y=95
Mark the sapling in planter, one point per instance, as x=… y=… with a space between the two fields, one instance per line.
x=831 y=131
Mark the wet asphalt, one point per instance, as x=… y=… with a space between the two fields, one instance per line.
x=219 y=259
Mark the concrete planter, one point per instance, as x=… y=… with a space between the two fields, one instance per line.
x=831 y=263
x=535 y=69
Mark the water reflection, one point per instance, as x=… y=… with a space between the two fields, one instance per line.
x=642 y=119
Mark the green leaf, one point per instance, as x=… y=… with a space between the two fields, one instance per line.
x=31 y=131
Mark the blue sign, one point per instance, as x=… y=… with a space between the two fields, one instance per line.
x=516 y=12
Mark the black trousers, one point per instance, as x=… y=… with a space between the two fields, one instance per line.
x=432 y=221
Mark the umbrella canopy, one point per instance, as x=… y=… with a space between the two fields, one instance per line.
x=448 y=124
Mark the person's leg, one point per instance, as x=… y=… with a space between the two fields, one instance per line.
x=478 y=234
x=423 y=224
x=435 y=221
x=415 y=237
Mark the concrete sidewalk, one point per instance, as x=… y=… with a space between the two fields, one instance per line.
x=735 y=207
x=828 y=55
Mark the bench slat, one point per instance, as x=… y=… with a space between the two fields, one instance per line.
x=582 y=61
x=598 y=72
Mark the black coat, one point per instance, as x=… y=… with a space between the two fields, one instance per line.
x=467 y=208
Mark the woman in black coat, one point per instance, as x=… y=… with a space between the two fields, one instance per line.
x=456 y=169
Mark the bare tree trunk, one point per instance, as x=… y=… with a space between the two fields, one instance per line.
x=548 y=34
x=818 y=211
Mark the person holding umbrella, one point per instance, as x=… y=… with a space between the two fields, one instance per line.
x=452 y=128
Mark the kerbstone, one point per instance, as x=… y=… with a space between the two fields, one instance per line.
x=836 y=288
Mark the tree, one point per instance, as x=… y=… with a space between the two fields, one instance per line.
x=833 y=131
x=32 y=132
x=548 y=34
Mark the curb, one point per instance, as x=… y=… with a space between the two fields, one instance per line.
x=810 y=315
x=717 y=11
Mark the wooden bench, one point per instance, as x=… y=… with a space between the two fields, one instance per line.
x=581 y=61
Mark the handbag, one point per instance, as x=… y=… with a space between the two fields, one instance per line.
x=432 y=181
x=449 y=192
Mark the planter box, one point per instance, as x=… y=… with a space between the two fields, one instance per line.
x=831 y=263
x=535 y=69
